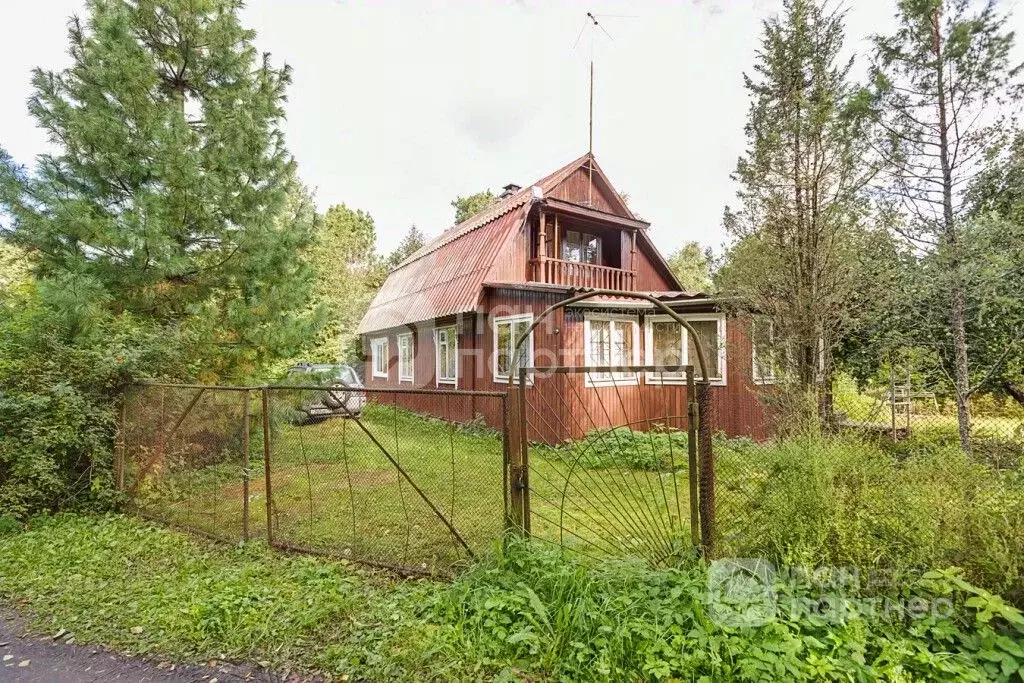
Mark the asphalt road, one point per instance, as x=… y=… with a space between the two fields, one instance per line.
x=33 y=658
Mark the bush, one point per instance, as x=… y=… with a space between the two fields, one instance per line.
x=843 y=502
x=60 y=381
x=655 y=450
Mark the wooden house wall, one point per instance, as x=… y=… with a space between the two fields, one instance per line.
x=576 y=188
x=560 y=406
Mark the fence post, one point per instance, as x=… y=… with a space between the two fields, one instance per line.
x=507 y=522
x=245 y=466
x=706 y=468
x=692 y=413
x=519 y=480
x=119 y=446
x=266 y=466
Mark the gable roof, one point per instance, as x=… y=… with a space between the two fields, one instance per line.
x=446 y=275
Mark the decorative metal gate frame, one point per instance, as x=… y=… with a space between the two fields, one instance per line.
x=701 y=472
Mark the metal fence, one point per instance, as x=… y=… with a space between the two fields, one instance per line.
x=426 y=481
x=887 y=485
x=408 y=479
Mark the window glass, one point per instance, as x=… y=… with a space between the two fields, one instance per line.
x=581 y=247
x=447 y=349
x=667 y=343
x=405 y=357
x=707 y=332
x=762 y=335
x=612 y=342
x=379 y=352
x=507 y=333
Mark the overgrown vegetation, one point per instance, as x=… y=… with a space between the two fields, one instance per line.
x=526 y=614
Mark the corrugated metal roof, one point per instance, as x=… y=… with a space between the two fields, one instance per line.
x=445 y=276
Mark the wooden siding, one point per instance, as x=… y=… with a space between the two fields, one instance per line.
x=576 y=189
x=561 y=406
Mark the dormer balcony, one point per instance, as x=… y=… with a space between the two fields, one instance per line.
x=579 y=246
x=579 y=274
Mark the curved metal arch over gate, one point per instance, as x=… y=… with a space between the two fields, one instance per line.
x=613 y=460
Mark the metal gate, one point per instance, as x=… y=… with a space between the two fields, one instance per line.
x=613 y=460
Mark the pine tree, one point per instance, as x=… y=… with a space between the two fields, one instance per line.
x=346 y=263
x=798 y=228
x=168 y=191
x=939 y=81
x=410 y=244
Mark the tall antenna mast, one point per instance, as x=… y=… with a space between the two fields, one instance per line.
x=593 y=24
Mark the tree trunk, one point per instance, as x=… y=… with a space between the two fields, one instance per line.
x=1015 y=392
x=950 y=241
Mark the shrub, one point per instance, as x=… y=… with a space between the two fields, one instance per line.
x=843 y=502
x=658 y=449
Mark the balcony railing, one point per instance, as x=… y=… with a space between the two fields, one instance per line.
x=576 y=274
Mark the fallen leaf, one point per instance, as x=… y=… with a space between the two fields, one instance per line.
x=137 y=630
x=24 y=662
x=8 y=658
x=59 y=634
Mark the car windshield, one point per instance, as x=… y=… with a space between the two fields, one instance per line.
x=347 y=375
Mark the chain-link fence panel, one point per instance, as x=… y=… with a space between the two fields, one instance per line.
x=406 y=479
x=184 y=457
x=888 y=488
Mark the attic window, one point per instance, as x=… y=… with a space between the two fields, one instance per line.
x=581 y=247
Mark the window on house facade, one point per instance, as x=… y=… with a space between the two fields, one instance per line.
x=669 y=343
x=581 y=247
x=764 y=361
x=379 y=356
x=507 y=331
x=447 y=359
x=610 y=340
x=406 y=355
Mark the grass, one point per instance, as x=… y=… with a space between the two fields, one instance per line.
x=524 y=615
x=335 y=490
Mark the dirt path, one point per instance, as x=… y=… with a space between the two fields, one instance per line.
x=33 y=658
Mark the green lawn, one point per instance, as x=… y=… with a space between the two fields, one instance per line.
x=335 y=490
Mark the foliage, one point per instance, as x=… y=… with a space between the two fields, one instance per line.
x=528 y=613
x=621 y=447
x=344 y=258
x=692 y=267
x=471 y=205
x=801 y=256
x=410 y=244
x=845 y=502
x=14 y=266
x=166 y=197
x=58 y=397
x=937 y=85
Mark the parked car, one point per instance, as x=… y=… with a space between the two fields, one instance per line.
x=342 y=394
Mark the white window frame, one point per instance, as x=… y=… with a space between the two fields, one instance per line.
x=754 y=372
x=505 y=320
x=452 y=338
x=656 y=378
x=617 y=378
x=403 y=339
x=377 y=352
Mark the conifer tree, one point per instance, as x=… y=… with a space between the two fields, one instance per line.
x=798 y=229
x=939 y=83
x=167 y=192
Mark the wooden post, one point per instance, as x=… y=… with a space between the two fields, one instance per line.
x=120 y=446
x=542 y=235
x=632 y=252
x=266 y=467
x=555 y=253
x=245 y=465
x=706 y=458
x=519 y=480
x=892 y=395
x=691 y=448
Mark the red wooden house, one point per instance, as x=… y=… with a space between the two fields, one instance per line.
x=448 y=316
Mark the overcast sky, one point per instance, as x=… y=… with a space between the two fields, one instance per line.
x=397 y=107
